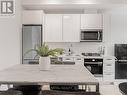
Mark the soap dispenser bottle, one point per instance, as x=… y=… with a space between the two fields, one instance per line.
x=69 y=51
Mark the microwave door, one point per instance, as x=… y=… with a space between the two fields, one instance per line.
x=91 y=36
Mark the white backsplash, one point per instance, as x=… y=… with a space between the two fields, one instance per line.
x=78 y=48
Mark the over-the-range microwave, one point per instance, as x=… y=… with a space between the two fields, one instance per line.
x=91 y=35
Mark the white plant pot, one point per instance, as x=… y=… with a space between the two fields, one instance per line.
x=44 y=63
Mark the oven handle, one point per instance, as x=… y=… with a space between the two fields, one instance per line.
x=93 y=62
x=98 y=35
x=122 y=60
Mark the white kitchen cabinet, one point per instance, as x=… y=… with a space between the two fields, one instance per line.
x=79 y=61
x=53 y=28
x=71 y=28
x=109 y=69
x=62 y=28
x=91 y=21
x=32 y=17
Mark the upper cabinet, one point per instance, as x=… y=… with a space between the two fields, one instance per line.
x=53 y=28
x=91 y=21
x=32 y=17
x=62 y=28
x=71 y=27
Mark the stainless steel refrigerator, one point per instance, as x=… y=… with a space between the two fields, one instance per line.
x=31 y=39
x=121 y=62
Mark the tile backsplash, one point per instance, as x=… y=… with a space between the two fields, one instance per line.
x=79 y=48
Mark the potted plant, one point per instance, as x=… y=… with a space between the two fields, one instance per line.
x=44 y=53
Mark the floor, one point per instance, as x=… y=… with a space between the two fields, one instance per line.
x=109 y=90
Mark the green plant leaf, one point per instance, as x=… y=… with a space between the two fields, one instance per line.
x=44 y=51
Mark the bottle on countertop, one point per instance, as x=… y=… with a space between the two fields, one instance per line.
x=102 y=50
x=69 y=51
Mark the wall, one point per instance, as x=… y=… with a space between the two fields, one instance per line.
x=10 y=38
x=118 y=28
x=115 y=32
x=115 y=22
x=78 y=48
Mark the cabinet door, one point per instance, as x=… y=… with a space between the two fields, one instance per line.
x=109 y=69
x=53 y=28
x=91 y=21
x=109 y=77
x=71 y=28
x=32 y=17
x=79 y=61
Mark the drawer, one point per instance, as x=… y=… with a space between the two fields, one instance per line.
x=108 y=76
x=108 y=73
x=109 y=61
x=79 y=59
x=108 y=70
x=68 y=59
x=109 y=67
x=109 y=64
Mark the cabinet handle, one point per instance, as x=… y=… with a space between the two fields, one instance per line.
x=108 y=74
x=67 y=59
x=108 y=59
x=109 y=65
x=78 y=59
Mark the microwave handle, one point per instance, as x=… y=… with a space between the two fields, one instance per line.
x=98 y=35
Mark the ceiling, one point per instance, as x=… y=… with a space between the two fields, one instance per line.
x=74 y=1
x=72 y=5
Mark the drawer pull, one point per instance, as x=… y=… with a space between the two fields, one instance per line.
x=108 y=74
x=67 y=59
x=78 y=59
x=108 y=59
x=109 y=65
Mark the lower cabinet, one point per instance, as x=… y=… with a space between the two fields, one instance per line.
x=70 y=59
x=77 y=60
x=109 y=76
x=109 y=69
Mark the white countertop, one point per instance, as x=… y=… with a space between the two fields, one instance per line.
x=58 y=74
x=81 y=56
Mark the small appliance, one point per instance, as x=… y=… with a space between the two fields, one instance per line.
x=91 y=35
x=94 y=63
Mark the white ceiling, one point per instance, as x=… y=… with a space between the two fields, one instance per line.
x=75 y=1
x=72 y=5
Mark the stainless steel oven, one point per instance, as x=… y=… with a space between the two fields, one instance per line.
x=94 y=65
x=91 y=35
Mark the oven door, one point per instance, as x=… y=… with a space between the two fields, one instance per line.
x=95 y=69
x=95 y=66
